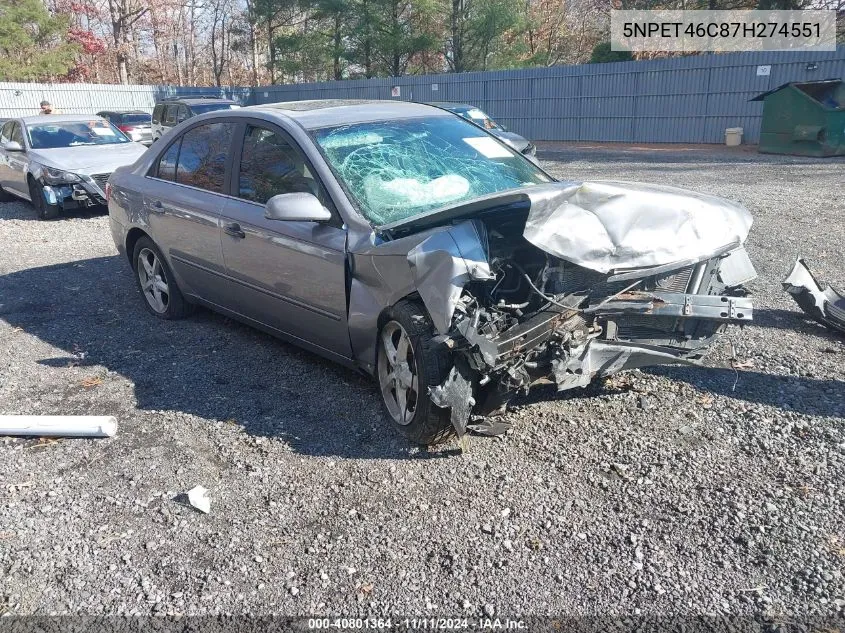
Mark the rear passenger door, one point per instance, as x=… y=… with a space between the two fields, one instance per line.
x=287 y=275
x=183 y=205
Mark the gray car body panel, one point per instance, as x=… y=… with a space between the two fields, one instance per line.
x=374 y=266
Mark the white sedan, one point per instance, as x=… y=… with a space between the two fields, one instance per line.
x=61 y=161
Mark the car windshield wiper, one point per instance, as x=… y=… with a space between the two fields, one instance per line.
x=75 y=143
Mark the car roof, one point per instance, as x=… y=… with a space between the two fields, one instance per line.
x=58 y=118
x=125 y=111
x=327 y=112
x=195 y=100
x=448 y=105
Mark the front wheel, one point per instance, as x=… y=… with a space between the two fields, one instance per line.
x=43 y=209
x=408 y=364
x=161 y=294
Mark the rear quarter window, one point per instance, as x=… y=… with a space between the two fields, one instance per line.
x=166 y=168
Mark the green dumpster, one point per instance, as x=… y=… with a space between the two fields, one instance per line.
x=804 y=118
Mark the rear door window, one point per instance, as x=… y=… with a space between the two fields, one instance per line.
x=202 y=157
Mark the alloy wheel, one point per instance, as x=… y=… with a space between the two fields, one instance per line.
x=397 y=373
x=153 y=281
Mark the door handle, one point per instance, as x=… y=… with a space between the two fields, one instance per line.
x=233 y=229
x=157 y=207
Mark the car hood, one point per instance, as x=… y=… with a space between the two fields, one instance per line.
x=612 y=226
x=519 y=143
x=89 y=159
x=608 y=225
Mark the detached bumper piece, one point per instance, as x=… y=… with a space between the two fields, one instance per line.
x=824 y=305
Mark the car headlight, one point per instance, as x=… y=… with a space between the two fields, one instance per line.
x=53 y=176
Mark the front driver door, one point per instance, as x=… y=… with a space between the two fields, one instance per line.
x=289 y=276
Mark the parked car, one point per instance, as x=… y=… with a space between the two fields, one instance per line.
x=480 y=118
x=171 y=112
x=136 y=124
x=61 y=161
x=400 y=239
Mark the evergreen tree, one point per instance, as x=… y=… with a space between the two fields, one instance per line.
x=32 y=47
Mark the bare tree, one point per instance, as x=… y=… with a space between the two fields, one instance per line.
x=124 y=14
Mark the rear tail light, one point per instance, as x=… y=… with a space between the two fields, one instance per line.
x=107 y=191
x=125 y=128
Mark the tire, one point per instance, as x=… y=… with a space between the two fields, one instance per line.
x=156 y=282
x=5 y=196
x=43 y=211
x=418 y=357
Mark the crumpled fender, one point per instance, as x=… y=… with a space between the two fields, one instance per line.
x=443 y=263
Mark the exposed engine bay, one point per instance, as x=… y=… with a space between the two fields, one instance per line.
x=516 y=316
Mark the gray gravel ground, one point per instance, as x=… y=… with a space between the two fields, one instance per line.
x=673 y=491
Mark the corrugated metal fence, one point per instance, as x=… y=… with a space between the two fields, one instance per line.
x=680 y=100
x=23 y=99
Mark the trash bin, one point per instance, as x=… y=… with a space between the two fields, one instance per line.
x=804 y=118
x=733 y=136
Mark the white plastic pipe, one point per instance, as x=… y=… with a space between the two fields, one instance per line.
x=58 y=425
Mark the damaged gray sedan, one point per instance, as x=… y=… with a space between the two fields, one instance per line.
x=402 y=240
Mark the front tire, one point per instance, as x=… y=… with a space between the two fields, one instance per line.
x=156 y=282
x=408 y=364
x=43 y=210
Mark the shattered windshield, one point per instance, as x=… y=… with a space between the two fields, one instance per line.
x=395 y=170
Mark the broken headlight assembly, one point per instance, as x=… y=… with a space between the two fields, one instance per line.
x=53 y=176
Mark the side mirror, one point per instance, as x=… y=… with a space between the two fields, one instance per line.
x=296 y=207
x=13 y=146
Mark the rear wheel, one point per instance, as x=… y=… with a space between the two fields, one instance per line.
x=408 y=364
x=43 y=209
x=161 y=294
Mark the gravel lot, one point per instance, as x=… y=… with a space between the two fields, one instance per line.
x=674 y=491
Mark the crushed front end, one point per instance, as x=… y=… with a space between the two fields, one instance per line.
x=73 y=191
x=520 y=315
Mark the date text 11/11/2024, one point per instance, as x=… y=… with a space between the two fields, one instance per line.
x=418 y=624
